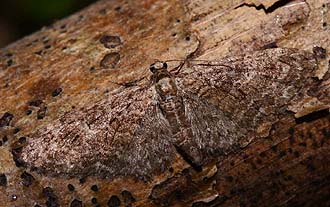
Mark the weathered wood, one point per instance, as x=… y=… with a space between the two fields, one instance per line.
x=108 y=47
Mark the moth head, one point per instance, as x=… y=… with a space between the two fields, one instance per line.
x=159 y=65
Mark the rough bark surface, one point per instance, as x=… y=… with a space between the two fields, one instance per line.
x=242 y=121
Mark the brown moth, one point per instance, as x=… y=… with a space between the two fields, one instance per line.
x=207 y=109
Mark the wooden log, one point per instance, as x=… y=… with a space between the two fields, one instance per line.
x=68 y=76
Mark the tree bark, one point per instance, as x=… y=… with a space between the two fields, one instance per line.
x=79 y=61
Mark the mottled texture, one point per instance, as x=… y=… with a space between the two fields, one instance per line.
x=251 y=89
x=205 y=110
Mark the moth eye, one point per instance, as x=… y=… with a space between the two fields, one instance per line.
x=164 y=65
x=152 y=68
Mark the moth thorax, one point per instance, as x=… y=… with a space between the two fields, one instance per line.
x=166 y=86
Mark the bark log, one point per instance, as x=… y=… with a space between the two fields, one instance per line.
x=109 y=46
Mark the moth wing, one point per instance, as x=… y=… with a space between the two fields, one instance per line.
x=120 y=135
x=251 y=88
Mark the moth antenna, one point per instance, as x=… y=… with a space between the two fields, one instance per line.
x=174 y=60
x=187 y=60
x=183 y=61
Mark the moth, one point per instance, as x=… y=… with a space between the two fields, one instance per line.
x=204 y=110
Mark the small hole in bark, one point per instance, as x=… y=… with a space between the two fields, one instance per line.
x=35 y=103
x=46 y=41
x=82 y=180
x=205 y=179
x=71 y=187
x=109 y=41
x=0 y=143
x=128 y=197
x=10 y=63
x=47 y=46
x=57 y=92
x=95 y=188
x=270 y=45
x=110 y=60
x=6 y=119
x=51 y=197
x=94 y=201
x=187 y=38
x=324 y=24
x=114 y=201
x=41 y=113
x=27 y=179
x=28 y=112
x=92 y=69
x=118 y=8
x=3 y=180
x=76 y=203
x=4 y=139
x=16 y=130
x=38 y=52
x=22 y=140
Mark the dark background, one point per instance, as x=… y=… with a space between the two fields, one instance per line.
x=22 y=17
